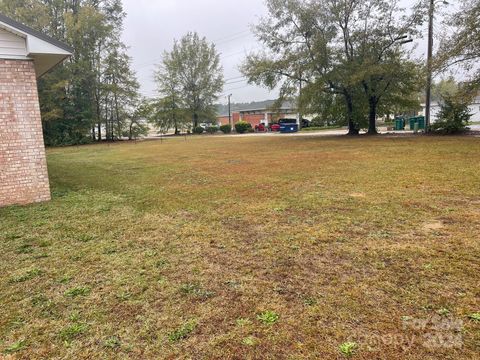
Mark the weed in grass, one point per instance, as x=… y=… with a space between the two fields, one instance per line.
x=74 y=317
x=78 y=291
x=17 y=323
x=112 y=342
x=160 y=264
x=44 y=243
x=25 y=249
x=183 y=331
x=196 y=290
x=16 y=347
x=110 y=250
x=65 y=279
x=475 y=317
x=249 y=341
x=243 y=322
x=268 y=317
x=443 y=312
x=309 y=301
x=71 y=332
x=30 y=274
x=124 y=295
x=77 y=257
x=84 y=238
x=234 y=284
x=348 y=349
x=428 y=266
x=10 y=236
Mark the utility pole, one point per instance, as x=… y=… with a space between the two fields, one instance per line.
x=428 y=98
x=298 y=102
x=230 y=111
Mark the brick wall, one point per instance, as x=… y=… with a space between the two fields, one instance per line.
x=23 y=167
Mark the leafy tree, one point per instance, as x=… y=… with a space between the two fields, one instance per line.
x=347 y=48
x=170 y=112
x=445 y=88
x=453 y=117
x=194 y=67
x=166 y=114
x=78 y=98
x=463 y=46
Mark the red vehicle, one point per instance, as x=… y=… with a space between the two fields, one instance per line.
x=260 y=128
x=275 y=127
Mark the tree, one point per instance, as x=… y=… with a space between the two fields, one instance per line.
x=463 y=46
x=169 y=111
x=77 y=97
x=348 y=48
x=194 y=67
x=121 y=95
x=166 y=114
x=453 y=117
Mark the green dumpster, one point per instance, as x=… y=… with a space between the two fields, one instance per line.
x=399 y=124
x=420 y=120
x=412 y=121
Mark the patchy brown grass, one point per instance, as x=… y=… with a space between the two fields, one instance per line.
x=173 y=250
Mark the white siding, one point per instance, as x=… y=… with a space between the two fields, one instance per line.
x=12 y=45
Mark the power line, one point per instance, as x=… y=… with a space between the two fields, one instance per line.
x=231 y=35
x=235 y=82
x=237 y=88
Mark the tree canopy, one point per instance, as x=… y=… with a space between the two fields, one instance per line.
x=190 y=79
x=463 y=46
x=350 y=48
x=93 y=94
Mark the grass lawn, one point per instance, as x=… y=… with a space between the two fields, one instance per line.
x=252 y=247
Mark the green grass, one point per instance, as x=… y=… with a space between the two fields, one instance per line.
x=321 y=128
x=341 y=238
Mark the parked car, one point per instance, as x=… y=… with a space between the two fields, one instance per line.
x=260 y=128
x=275 y=127
x=288 y=125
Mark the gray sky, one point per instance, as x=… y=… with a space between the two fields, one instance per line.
x=152 y=25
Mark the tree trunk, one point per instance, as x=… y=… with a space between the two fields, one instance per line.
x=352 y=127
x=372 y=116
x=195 y=120
x=99 y=127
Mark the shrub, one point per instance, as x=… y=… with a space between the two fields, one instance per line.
x=453 y=117
x=198 y=130
x=226 y=129
x=242 y=127
x=212 y=129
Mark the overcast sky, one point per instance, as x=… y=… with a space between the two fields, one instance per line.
x=152 y=25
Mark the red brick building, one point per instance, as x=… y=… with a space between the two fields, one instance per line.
x=25 y=55
x=258 y=116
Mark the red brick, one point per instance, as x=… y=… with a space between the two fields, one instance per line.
x=23 y=166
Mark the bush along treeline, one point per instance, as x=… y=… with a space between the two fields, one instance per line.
x=94 y=94
x=453 y=117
